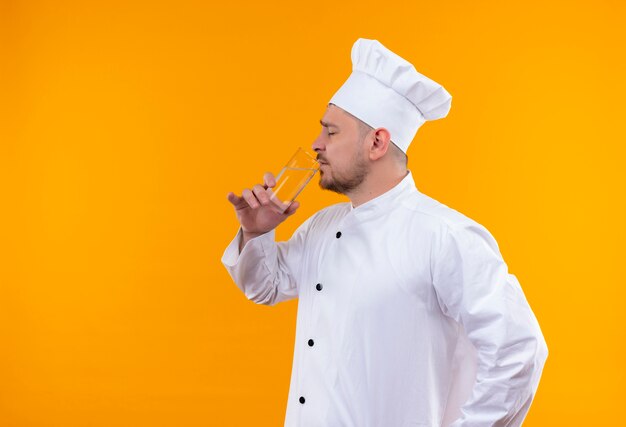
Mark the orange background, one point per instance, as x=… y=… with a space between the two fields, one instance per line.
x=123 y=127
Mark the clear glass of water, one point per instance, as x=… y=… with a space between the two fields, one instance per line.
x=292 y=179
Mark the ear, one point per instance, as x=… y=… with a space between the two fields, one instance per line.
x=379 y=144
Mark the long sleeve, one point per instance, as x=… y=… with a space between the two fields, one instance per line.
x=474 y=287
x=266 y=271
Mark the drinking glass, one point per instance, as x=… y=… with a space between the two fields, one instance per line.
x=292 y=179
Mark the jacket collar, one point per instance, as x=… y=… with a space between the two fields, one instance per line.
x=386 y=201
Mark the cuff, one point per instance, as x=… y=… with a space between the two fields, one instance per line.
x=232 y=254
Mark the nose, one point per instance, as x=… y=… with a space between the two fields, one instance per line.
x=318 y=144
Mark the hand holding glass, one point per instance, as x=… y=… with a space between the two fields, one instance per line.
x=292 y=179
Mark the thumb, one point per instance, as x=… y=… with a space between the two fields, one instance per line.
x=292 y=208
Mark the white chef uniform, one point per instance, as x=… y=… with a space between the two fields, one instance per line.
x=407 y=316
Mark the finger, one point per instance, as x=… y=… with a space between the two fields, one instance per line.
x=269 y=179
x=234 y=199
x=292 y=208
x=250 y=199
x=261 y=194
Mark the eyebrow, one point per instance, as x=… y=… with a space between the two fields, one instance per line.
x=326 y=124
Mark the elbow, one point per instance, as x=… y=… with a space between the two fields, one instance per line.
x=263 y=296
x=538 y=362
x=522 y=362
x=537 y=359
x=539 y=355
x=542 y=349
x=539 y=346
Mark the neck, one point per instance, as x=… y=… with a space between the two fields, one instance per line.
x=376 y=184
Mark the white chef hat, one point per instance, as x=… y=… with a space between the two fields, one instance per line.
x=385 y=90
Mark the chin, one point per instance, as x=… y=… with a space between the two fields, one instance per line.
x=323 y=184
x=321 y=180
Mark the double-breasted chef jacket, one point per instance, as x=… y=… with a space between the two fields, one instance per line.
x=407 y=316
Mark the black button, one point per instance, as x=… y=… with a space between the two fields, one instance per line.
x=301 y=399
x=311 y=343
x=338 y=235
x=319 y=286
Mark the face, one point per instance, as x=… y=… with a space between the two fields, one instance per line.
x=344 y=163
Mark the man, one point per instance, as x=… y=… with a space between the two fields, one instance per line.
x=407 y=314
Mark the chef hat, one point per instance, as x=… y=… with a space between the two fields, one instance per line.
x=385 y=90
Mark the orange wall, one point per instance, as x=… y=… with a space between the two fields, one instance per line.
x=123 y=127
